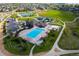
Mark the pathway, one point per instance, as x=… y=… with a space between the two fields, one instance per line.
x=31 y=51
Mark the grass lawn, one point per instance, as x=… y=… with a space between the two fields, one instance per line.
x=57 y=14
x=70 y=37
x=24 y=18
x=17 y=46
x=14 y=16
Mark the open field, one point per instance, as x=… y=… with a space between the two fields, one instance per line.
x=57 y=14
x=70 y=37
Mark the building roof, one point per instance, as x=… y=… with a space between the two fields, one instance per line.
x=11 y=20
x=44 y=19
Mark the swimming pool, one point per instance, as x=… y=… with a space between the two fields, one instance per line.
x=24 y=14
x=34 y=33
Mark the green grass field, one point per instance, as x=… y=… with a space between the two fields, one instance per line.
x=14 y=16
x=70 y=37
x=17 y=46
x=57 y=14
x=24 y=18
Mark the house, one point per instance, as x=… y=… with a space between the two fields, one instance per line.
x=11 y=25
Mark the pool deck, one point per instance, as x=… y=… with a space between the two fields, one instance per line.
x=22 y=34
x=39 y=36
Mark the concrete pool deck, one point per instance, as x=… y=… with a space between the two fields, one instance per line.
x=32 y=40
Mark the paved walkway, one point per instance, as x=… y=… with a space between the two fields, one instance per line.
x=31 y=51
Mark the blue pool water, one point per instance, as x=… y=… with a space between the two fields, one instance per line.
x=24 y=14
x=35 y=32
